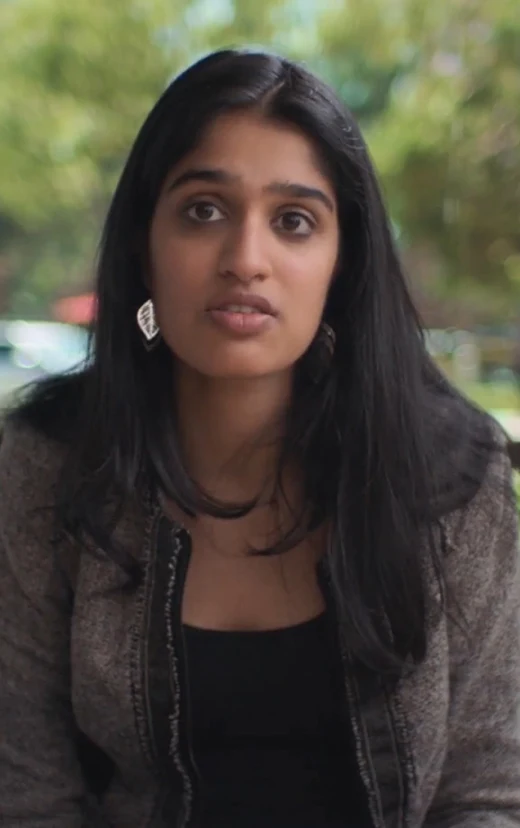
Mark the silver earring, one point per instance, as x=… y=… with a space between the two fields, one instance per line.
x=148 y=324
x=321 y=353
x=327 y=337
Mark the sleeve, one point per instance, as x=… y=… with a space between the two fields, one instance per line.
x=480 y=784
x=41 y=784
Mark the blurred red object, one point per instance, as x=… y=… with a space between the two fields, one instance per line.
x=76 y=310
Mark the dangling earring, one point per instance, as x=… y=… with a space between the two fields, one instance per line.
x=327 y=338
x=148 y=325
x=322 y=352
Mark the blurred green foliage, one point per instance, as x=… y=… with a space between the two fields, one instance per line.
x=516 y=484
x=436 y=87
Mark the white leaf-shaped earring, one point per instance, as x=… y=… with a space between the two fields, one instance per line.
x=148 y=324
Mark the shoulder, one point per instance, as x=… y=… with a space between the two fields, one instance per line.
x=34 y=439
x=29 y=470
x=467 y=451
x=496 y=490
x=493 y=499
x=482 y=536
x=30 y=462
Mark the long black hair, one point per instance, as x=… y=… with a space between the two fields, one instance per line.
x=386 y=446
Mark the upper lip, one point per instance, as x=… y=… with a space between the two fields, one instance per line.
x=251 y=300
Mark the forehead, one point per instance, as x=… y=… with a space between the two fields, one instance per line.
x=257 y=150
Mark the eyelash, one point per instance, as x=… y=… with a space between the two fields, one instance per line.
x=311 y=224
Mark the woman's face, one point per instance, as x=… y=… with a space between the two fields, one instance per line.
x=243 y=245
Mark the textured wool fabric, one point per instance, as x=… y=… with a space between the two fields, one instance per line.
x=98 y=667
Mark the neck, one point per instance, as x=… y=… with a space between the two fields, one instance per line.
x=230 y=432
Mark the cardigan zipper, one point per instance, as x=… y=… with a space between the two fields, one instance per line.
x=180 y=743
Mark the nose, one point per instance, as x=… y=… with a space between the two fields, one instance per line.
x=245 y=253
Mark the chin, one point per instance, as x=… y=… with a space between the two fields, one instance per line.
x=238 y=362
x=240 y=372
x=240 y=369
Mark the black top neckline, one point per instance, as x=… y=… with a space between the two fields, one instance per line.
x=301 y=626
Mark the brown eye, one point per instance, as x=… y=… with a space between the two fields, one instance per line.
x=295 y=224
x=204 y=212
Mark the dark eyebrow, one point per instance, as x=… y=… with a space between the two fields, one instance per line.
x=217 y=176
x=301 y=191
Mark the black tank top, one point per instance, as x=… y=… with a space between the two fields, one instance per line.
x=269 y=729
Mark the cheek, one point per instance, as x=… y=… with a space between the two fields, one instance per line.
x=307 y=284
x=178 y=272
x=174 y=290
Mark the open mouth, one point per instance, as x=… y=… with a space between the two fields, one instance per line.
x=241 y=309
x=241 y=319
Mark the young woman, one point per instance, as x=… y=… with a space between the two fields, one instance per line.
x=258 y=559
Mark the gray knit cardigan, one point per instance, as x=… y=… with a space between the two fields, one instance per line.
x=442 y=749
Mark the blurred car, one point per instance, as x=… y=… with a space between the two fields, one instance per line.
x=500 y=353
x=497 y=351
x=31 y=350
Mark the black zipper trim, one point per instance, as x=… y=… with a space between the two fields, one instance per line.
x=159 y=707
x=181 y=749
x=403 y=742
x=139 y=684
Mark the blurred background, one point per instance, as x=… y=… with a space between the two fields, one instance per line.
x=435 y=86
